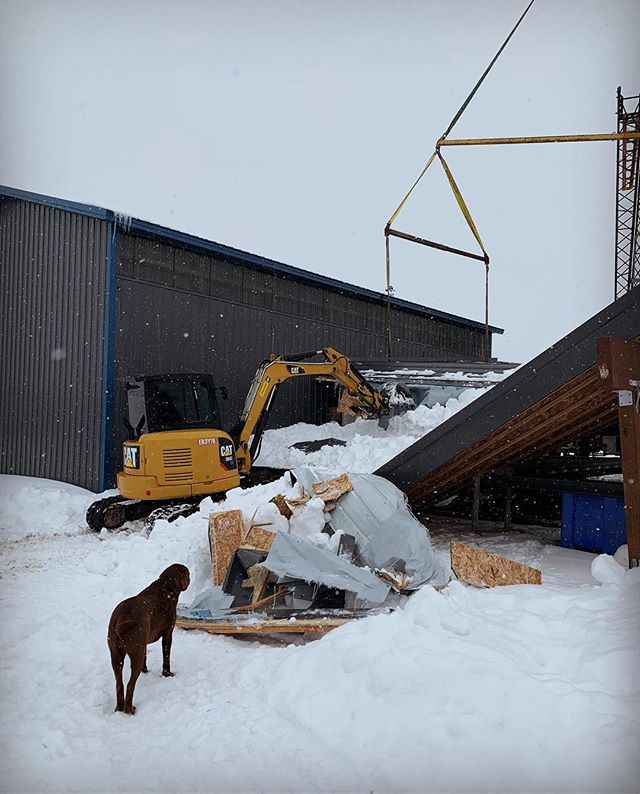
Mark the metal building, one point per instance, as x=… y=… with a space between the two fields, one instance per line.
x=91 y=297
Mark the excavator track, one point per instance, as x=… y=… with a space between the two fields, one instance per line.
x=113 y=512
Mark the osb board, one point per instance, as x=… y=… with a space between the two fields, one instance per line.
x=225 y=535
x=330 y=490
x=484 y=569
x=317 y=626
x=259 y=538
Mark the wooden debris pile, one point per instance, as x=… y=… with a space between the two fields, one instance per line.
x=238 y=551
x=234 y=546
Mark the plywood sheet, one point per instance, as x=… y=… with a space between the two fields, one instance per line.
x=225 y=535
x=259 y=538
x=484 y=569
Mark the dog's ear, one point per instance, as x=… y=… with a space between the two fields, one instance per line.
x=186 y=578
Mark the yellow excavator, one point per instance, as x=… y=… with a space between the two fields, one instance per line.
x=176 y=455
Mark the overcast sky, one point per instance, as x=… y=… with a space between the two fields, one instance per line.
x=293 y=129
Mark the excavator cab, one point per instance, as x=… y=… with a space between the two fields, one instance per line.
x=175 y=449
x=157 y=403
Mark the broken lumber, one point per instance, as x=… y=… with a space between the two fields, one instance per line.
x=397 y=581
x=301 y=500
x=281 y=503
x=332 y=490
x=225 y=535
x=484 y=569
x=312 y=626
x=257 y=580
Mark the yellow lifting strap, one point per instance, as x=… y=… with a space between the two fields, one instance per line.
x=461 y=203
x=404 y=200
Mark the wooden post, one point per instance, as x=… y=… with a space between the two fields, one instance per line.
x=507 y=506
x=619 y=369
x=475 y=510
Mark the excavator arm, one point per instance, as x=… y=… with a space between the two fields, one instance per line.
x=364 y=400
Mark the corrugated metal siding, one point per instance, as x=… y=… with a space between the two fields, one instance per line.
x=51 y=324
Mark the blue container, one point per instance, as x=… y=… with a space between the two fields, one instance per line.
x=593 y=523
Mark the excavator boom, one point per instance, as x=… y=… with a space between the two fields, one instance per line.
x=364 y=400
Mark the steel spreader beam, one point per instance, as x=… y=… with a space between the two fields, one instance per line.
x=598 y=136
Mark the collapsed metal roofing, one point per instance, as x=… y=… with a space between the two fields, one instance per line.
x=547 y=402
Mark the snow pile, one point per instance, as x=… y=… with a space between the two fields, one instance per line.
x=369 y=446
x=32 y=506
x=501 y=678
x=513 y=689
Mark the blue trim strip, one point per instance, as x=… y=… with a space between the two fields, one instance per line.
x=61 y=204
x=107 y=475
x=244 y=257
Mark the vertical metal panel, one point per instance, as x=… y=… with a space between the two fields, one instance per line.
x=52 y=304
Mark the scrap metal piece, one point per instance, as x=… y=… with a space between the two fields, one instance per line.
x=238 y=572
x=376 y=513
x=293 y=557
x=314 y=446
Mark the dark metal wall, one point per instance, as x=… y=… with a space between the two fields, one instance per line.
x=66 y=345
x=51 y=330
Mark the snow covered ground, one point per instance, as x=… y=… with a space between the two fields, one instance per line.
x=513 y=689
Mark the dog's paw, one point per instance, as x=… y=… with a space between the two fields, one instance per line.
x=131 y=710
x=168 y=674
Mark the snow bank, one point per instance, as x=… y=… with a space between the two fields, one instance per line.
x=30 y=506
x=471 y=689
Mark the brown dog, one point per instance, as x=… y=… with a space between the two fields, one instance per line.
x=141 y=620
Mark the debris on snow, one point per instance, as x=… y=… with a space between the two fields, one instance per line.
x=288 y=570
x=484 y=569
x=314 y=446
x=281 y=503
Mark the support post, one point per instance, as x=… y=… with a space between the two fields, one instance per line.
x=475 y=509
x=508 y=498
x=619 y=369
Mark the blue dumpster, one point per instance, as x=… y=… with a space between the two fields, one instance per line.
x=593 y=523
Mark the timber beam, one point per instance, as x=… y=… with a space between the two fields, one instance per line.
x=619 y=371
